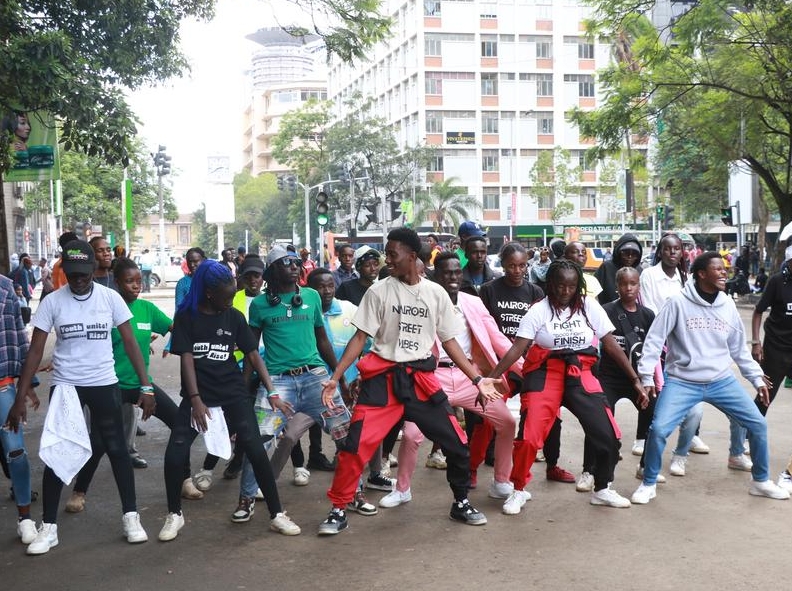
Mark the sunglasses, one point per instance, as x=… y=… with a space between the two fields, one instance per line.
x=289 y=261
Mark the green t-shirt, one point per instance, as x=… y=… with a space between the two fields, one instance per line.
x=288 y=332
x=146 y=319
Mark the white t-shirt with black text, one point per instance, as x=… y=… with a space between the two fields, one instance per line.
x=556 y=332
x=83 y=354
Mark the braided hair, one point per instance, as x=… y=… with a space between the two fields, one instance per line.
x=122 y=264
x=578 y=301
x=682 y=264
x=209 y=275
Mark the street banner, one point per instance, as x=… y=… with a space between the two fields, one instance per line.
x=34 y=146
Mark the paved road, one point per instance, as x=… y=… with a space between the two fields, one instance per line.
x=702 y=532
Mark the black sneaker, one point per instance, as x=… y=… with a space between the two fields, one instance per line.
x=138 y=461
x=244 y=510
x=335 y=523
x=321 y=463
x=361 y=505
x=466 y=513
x=377 y=481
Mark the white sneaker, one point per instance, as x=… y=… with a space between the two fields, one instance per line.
x=173 y=523
x=395 y=498
x=697 y=446
x=585 y=483
x=259 y=496
x=26 y=530
x=500 y=490
x=301 y=477
x=540 y=457
x=385 y=471
x=677 y=466
x=203 y=480
x=189 y=490
x=638 y=447
x=785 y=481
x=768 y=489
x=639 y=474
x=46 y=538
x=516 y=501
x=609 y=498
x=283 y=524
x=133 y=531
x=436 y=460
x=741 y=462
x=644 y=493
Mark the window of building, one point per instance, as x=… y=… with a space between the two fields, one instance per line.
x=544 y=48
x=544 y=85
x=491 y=199
x=433 y=45
x=507 y=76
x=544 y=123
x=489 y=84
x=586 y=51
x=435 y=164
x=588 y=199
x=434 y=122
x=460 y=114
x=489 y=46
x=489 y=122
x=434 y=83
x=490 y=160
x=585 y=83
x=585 y=162
x=432 y=7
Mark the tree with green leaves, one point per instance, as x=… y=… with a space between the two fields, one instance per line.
x=445 y=205
x=716 y=83
x=553 y=180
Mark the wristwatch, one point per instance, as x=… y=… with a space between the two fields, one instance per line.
x=475 y=381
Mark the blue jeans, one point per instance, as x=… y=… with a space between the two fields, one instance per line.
x=304 y=393
x=679 y=396
x=14 y=450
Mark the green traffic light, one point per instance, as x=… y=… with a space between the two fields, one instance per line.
x=322 y=219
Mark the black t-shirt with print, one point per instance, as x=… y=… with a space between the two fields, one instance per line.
x=508 y=304
x=639 y=321
x=778 y=327
x=212 y=338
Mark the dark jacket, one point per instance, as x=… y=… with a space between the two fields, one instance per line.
x=468 y=286
x=606 y=274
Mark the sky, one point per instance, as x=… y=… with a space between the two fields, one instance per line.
x=200 y=114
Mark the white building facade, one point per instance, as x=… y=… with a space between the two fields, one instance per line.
x=489 y=85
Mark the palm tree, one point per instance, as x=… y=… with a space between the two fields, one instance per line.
x=445 y=205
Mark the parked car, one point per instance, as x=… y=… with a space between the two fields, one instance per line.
x=166 y=274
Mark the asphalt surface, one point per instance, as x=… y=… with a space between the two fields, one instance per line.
x=703 y=531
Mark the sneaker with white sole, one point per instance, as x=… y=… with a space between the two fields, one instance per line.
x=395 y=498
x=335 y=523
x=540 y=457
x=638 y=447
x=643 y=494
x=385 y=470
x=607 y=497
x=173 y=523
x=516 y=502
x=740 y=462
x=361 y=505
x=768 y=489
x=377 y=481
x=585 y=483
x=301 y=477
x=203 y=480
x=133 y=530
x=283 y=524
x=464 y=512
x=678 y=465
x=26 y=530
x=639 y=474
x=259 y=496
x=437 y=461
x=245 y=510
x=393 y=462
x=697 y=445
x=785 y=481
x=189 y=490
x=46 y=538
x=500 y=490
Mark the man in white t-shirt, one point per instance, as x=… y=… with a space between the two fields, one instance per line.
x=403 y=313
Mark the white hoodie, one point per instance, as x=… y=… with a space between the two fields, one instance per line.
x=703 y=339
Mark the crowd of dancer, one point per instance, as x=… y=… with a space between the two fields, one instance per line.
x=400 y=342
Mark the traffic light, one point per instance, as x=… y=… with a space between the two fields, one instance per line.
x=321 y=208
x=341 y=173
x=668 y=220
x=726 y=216
x=281 y=184
x=659 y=212
x=395 y=210
x=162 y=161
x=291 y=180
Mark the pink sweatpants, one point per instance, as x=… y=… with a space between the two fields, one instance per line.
x=463 y=394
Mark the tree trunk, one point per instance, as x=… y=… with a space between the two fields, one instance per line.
x=5 y=259
x=761 y=235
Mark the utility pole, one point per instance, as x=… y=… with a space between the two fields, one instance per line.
x=162 y=163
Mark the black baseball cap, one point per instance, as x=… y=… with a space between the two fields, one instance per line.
x=78 y=257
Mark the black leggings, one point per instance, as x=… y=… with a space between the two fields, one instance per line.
x=241 y=419
x=107 y=434
x=166 y=412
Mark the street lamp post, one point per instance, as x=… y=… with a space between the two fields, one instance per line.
x=162 y=163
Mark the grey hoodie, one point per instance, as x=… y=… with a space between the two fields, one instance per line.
x=703 y=339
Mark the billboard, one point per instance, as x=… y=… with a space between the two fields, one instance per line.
x=34 y=145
